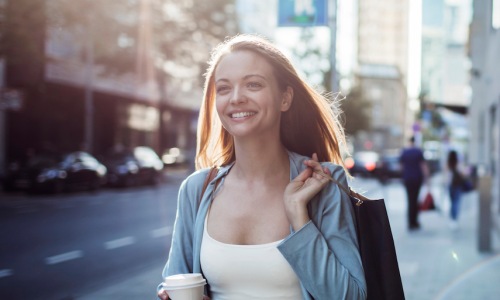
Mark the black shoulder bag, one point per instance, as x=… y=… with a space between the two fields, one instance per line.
x=376 y=247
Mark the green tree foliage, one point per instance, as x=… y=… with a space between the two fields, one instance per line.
x=187 y=32
x=355 y=112
x=313 y=61
x=183 y=32
x=313 y=58
x=431 y=119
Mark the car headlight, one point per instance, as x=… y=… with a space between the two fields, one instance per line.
x=101 y=170
x=158 y=165
x=62 y=174
x=168 y=159
x=47 y=174
x=132 y=168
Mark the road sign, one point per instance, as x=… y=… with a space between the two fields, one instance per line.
x=302 y=13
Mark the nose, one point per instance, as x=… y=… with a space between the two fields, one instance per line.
x=237 y=96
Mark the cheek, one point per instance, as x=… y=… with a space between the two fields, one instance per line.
x=220 y=106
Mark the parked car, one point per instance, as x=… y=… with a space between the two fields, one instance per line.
x=390 y=166
x=56 y=173
x=138 y=166
x=174 y=156
x=363 y=163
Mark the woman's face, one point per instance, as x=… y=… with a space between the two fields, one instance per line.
x=248 y=99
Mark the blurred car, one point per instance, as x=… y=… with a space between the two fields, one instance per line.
x=138 y=166
x=363 y=163
x=56 y=173
x=174 y=156
x=390 y=166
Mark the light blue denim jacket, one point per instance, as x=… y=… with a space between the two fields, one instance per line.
x=323 y=253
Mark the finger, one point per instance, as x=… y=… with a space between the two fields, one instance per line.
x=315 y=157
x=314 y=164
x=162 y=294
x=326 y=170
x=327 y=174
x=306 y=173
x=323 y=176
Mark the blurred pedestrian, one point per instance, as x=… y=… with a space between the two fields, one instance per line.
x=271 y=225
x=415 y=171
x=456 y=187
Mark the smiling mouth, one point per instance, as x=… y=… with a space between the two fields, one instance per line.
x=242 y=115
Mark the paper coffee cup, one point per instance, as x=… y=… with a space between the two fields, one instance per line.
x=185 y=286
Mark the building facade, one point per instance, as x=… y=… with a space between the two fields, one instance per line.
x=383 y=87
x=433 y=49
x=383 y=66
x=71 y=102
x=484 y=150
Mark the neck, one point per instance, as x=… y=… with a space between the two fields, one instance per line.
x=261 y=160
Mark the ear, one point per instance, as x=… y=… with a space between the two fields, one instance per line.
x=287 y=99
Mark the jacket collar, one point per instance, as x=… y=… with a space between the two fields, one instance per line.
x=295 y=166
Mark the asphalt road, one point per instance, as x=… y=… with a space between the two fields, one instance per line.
x=63 y=246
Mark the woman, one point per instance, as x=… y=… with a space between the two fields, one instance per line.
x=456 y=187
x=270 y=225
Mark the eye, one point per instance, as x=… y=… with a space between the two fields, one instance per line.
x=222 y=89
x=254 y=85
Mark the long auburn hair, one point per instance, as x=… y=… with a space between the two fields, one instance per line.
x=310 y=125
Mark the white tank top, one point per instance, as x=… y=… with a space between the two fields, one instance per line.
x=243 y=272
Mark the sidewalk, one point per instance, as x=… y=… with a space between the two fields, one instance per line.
x=435 y=262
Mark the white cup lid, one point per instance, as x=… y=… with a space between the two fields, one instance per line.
x=183 y=281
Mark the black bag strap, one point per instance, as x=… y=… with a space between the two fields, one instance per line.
x=360 y=198
x=210 y=176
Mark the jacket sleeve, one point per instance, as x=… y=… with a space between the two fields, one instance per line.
x=180 y=258
x=324 y=253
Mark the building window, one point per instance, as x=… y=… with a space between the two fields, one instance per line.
x=495 y=14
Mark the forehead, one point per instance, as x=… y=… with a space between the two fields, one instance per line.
x=242 y=63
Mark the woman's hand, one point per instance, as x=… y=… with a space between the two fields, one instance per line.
x=302 y=189
x=163 y=295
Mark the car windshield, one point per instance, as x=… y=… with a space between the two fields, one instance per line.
x=118 y=157
x=145 y=154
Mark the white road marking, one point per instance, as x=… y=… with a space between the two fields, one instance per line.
x=52 y=260
x=161 y=232
x=6 y=273
x=119 y=243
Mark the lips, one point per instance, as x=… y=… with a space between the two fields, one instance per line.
x=242 y=114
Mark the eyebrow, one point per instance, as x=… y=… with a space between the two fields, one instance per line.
x=244 y=77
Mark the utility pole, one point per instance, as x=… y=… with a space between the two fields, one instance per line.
x=3 y=123
x=333 y=46
x=89 y=93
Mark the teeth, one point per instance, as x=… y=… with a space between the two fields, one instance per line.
x=242 y=114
